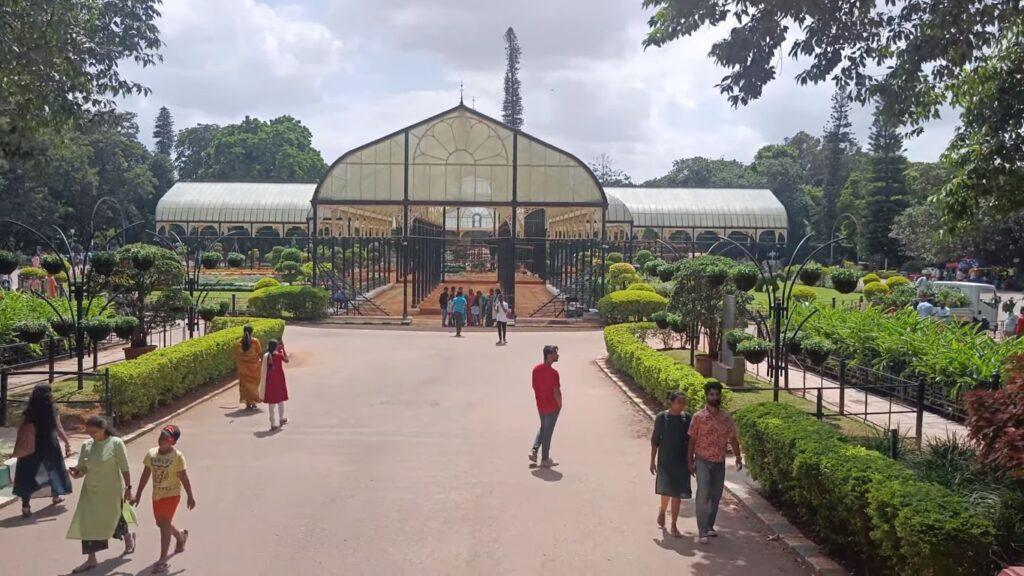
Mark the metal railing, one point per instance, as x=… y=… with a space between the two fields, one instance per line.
x=106 y=400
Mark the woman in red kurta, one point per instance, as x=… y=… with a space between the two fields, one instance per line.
x=273 y=388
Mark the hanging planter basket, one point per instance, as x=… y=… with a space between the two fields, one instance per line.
x=143 y=261
x=745 y=278
x=98 y=328
x=810 y=275
x=735 y=337
x=124 y=326
x=53 y=264
x=63 y=327
x=211 y=260
x=236 y=260
x=661 y=319
x=717 y=277
x=30 y=331
x=103 y=263
x=8 y=262
x=817 y=350
x=754 y=350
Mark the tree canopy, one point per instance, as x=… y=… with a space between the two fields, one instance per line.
x=700 y=172
x=607 y=174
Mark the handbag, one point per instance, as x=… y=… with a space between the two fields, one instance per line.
x=25 y=444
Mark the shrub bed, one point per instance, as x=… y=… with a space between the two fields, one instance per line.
x=628 y=305
x=654 y=372
x=138 y=386
x=299 y=302
x=859 y=502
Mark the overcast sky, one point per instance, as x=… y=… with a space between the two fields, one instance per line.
x=353 y=70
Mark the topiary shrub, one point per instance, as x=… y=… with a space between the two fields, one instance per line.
x=651 y=268
x=629 y=305
x=642 y=257
x=676 y=323
x=754 y=350
x=734 y=337
x=803 y=294
x=614 y=258
x=661 y=319
x=640 y=286
x=295 y=255
x=124 y=326
x=289 y=271
x=745 y=277
x=844 y=280
x=810 y=274
x=236 y=260
x=870 y=279
x=875 y=290
x=8 y=262
x=299 y=302
x=621 y=275
x=30 y=273
x=894 y=281
x=266 y=283
x=208 y=311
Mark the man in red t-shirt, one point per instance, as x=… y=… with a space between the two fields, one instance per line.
x=548 y=391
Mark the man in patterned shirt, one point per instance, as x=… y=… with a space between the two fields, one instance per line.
x=711 y=430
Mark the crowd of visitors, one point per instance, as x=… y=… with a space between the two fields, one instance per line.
x=460 y=308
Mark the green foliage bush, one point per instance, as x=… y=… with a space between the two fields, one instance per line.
x=875 y=291
x=30 y=273
x=735 y=336
x=894 y=281
x=628 y=305
x=138 y=386
x=860 y=503
x=642 y=257
x=124 y=326
x=651 y=268
x=16 y=307
x=291 y=255
x=224 y=322
x=870 y=279
x=640 y=286
x=654 y=372
x=614 y=257
x=299 y=302
x=667 y=272
x=844 y=280
x=621 y=275
x=803 y=294
x=208 y=311
x=265 y=283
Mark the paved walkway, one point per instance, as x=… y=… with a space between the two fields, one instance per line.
x=406 y=454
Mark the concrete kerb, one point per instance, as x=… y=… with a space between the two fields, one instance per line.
x=135 y=435
x=807 y=551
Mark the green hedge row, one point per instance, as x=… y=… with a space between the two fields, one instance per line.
x=859 y=502
x=138 y=386
x=653 y=371
x=630 y=305
x=299 y=302
x=224 y=322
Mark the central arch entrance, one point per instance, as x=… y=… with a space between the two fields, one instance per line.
x=462 y=198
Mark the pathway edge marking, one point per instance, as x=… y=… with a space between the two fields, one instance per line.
x=805 y=550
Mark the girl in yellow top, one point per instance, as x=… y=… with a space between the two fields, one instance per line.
x=248 y=357
x=167 y=467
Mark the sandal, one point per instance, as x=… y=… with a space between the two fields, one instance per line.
x=159 y=567
x=661 y=518
x=180 y=546
x=26 y=511
x=129 y=544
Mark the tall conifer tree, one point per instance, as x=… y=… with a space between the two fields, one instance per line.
x=163 y=132
x=838 y=145
x=512 y=107
x=887 y=189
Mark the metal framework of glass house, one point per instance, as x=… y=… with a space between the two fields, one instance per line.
x=261 y=209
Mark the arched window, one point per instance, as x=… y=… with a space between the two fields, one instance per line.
x=680 y=237
x=295 y=232
x=267 y=232
x=210 y=231
x=766 y=237
x=477 y=221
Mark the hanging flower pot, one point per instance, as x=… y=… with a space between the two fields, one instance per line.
x=53 y=264
x=236 y=260
x=795 y=342
x=98 y=328
x=817 y=350
x=211 y=260
x=745 y=277
x=30 y=331
x=810 y=274
x=676 y=323
x=64 y=327
x=716 y=276
x=103 y=263
x=754 y=350
x=124 y=326
x=734 y=337
x=143 y=261
x=844 y=280
x=8 y=262
x=661 y=319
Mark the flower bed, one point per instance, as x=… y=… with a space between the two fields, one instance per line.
x=859 y=503
x=138 y=386
x=654 y=372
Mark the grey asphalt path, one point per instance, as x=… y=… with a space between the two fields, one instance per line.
x=406 y=454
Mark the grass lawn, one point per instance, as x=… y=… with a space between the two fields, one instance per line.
x=825 y=296
x=241 y=298
x=759 y=391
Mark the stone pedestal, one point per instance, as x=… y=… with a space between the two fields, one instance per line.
x=730 y=368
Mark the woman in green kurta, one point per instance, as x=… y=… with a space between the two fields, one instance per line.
x=102 y=511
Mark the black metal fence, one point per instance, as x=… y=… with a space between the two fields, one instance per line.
x=101 y=387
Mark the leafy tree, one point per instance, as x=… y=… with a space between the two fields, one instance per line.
x=607 y=174
x=59 y=63
x=887 y=189
x=135 y=287
x=512 y=106
x=191 y=150
x=839 y=145
x=779 y=168
x=809 y=154
x=997 y=239
x=280 y=149
x=163 y=132
x=700 y=172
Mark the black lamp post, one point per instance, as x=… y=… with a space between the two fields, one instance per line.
x=405 y=282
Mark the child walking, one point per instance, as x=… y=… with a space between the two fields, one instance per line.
x=273 y=387
x=167 y=467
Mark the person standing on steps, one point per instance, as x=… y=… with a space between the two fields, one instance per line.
x=443 y=301
x=669 y=443
x=273 y=387
x=711 y=431
x=459 y=306
x=547 y=390
x=501 y=313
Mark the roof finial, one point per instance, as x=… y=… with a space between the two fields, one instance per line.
x=460 y=91
x=474 y=102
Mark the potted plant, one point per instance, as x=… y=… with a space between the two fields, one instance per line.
x=661 y=319
x=124 y=326
x=64 y=327
x=817 y=349
x=211 y=260
x=98 y=328
x=153 y=270
x=666 y=272
x=142 y=260
x=8 y=262
x=208 y=312
x=754 y=350
x=53 y=264
x=734 y=337
x=810 y=274
x=716 y=275
x=676 y=323
x=745 y=277
x=795 y=342
x=844 y=280
x=236 y=260
x=103 y=263
x=31 y=331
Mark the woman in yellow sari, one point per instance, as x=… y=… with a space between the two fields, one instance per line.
x=248 y=357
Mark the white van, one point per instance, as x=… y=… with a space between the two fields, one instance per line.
x=984 y=300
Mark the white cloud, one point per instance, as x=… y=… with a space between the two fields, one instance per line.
x=353 y=70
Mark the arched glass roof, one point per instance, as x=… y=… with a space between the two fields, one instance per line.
x=459 y=156
x=236 y=202
x=710 y=208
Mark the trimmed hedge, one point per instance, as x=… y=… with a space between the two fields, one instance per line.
x=859 y=502
x=299 y=302
x=138 y=386
x=266 y=283
x=628 y=305
x=651 y=370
